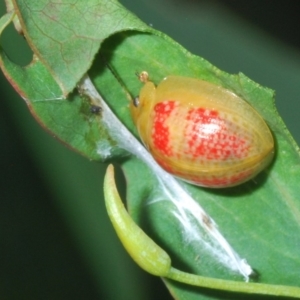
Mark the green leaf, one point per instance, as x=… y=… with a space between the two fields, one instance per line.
x=152 y=258
x=66 y=35
x=259 y=219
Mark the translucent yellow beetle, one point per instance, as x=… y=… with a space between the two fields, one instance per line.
x=201 y=132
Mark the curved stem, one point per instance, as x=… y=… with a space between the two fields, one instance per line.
x=233 y=286
x=153 y=259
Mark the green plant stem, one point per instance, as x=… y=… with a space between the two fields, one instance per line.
x=233 y=286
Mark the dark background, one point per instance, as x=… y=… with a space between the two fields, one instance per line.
x=52 y=249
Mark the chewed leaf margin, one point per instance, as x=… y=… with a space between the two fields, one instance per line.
x=67 y=51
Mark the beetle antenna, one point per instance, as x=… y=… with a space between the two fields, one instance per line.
x=119 y=79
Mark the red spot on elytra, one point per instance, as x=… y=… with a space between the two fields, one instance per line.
x=161 y=131
x=208 y=137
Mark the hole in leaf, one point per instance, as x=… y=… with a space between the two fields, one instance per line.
x=15 y=46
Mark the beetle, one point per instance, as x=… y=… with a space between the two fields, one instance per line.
x=201 y=132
